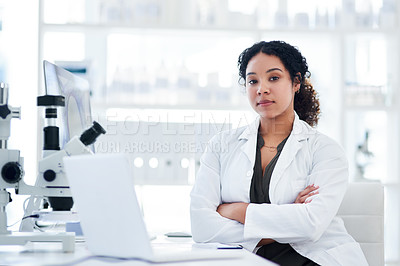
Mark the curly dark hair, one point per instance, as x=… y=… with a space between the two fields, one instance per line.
x=306 y=102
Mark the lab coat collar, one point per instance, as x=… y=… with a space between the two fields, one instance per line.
x=299 y=134
x=250 y=136
x=294 y=143
x=251 y=129
x=300 y=129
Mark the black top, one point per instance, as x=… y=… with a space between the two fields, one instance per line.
x=283 y=254
x=260 y=184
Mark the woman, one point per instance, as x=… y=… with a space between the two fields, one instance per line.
x=248 y=192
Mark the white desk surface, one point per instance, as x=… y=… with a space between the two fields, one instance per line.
x=51 y=254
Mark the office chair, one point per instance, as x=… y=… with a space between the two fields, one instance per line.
x=362 y=211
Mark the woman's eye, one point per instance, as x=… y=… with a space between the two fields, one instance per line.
x=273 y=78
x=252 y=81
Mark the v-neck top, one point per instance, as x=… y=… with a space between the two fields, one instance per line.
x=259 y=189
x=280 y=253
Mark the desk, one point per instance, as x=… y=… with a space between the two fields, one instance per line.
x=50 y=254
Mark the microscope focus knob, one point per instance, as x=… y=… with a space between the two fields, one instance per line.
x=49 y=175
x=12 y=172
x=4 y=111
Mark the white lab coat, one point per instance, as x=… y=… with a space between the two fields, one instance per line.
x=312 y=229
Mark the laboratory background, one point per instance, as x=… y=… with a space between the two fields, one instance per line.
x=172 y=65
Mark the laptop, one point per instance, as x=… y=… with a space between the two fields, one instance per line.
x=112 y=223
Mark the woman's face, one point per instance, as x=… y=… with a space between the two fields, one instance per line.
x=269 y=87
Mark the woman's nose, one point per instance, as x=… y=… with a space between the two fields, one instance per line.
x=263 y=89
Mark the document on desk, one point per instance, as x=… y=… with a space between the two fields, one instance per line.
x=217 y=246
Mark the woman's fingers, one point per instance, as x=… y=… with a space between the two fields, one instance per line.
x=304 y=198
x=309 y=191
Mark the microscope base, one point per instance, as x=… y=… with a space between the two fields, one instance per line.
x=21 y=238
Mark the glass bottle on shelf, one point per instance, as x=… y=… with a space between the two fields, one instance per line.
x=185 y=86
x=122 y=86
x=387 y=18
x=348 y=14
x=321 y=18
x=162 y=85
x=203 y=93
x=143 y=93
x=281 y=15
x=367 y=71
x=364 y=15
x=265 y=12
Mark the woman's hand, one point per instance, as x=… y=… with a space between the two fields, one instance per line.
x=304 y=195
x=234 y=211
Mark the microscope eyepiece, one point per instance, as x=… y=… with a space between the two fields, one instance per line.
x=51 y=100
x=90 y=135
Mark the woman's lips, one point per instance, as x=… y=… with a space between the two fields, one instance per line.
x=265 y=103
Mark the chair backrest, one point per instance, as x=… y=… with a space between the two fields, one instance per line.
x=362 y=211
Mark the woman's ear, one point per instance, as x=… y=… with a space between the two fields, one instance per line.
x=297 y=78
x=297 y=82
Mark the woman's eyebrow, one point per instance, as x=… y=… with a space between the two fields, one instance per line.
x=273 y=69
x=269 y=70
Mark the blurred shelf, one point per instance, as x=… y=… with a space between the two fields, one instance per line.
x=99 y=104
x=250 y=29
x=369 y=108
x=391 y=184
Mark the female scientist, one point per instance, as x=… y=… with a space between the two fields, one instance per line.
x=276 y=185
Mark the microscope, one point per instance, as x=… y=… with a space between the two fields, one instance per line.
x=11 y=162
x=51 y=181
x=363 y=157
x=51 y=174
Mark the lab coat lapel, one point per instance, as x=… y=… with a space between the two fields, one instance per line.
x=292 y=146
x=250 y=136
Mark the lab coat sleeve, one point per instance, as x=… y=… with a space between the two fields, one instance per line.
x=291 y=223
x=207 y=224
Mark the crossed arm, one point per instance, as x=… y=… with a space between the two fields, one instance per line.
x=237 y=210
